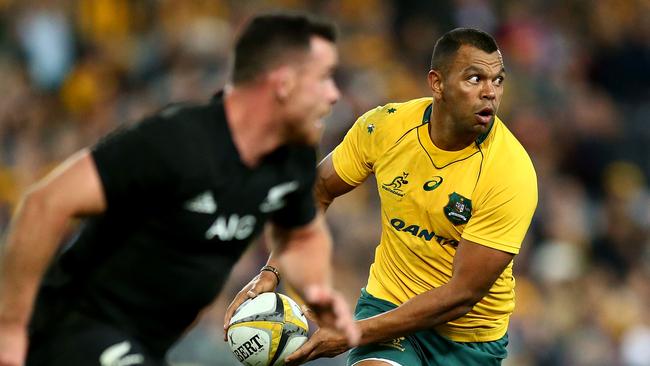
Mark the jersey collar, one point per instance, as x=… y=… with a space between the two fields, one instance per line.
x=426 y=118
x=443 y=158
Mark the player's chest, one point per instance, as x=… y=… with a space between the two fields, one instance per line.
x=412 y=186
x=234 y=208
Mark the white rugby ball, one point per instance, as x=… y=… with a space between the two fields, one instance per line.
x=265 y=330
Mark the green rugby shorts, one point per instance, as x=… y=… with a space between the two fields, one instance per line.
x=424 y=348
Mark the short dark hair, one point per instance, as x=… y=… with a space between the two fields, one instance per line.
x=270 y=38
x=450 y=42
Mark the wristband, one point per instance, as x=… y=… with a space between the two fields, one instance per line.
x=272 y=270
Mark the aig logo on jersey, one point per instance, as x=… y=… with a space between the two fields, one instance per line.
x=233 y=226
x=459 y=209
x=225 y=227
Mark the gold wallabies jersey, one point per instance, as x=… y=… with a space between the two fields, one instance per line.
x=431 y=198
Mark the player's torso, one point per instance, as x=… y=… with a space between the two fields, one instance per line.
x=182 y=246
x=426 y=199
x=205 y=222
x=216 y=204
x=233 y=204
x=429 y=198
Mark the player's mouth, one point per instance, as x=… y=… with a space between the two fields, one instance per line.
x=485 y=115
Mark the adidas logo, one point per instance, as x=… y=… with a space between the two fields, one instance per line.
x=203 y=203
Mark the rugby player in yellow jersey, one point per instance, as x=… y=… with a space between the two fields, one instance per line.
x=458 y=192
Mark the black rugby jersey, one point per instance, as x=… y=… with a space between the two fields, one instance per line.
x=181 y=209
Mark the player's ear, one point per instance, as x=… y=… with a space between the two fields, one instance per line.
x=435 y=83
x=284 y=80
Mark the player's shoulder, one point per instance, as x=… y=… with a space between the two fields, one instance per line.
x=301 y=156
x=506 y=156
x=394 y=119
x=184 y=112
x=184 y=120
x=399 y=113
x=185 y=132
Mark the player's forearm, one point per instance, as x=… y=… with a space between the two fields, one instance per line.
x=31 y=243
x=306 y=257
x=425 y=311
x=273 y=260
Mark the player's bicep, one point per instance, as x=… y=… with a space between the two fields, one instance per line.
x=476 y=267
x=329 y=184
x=74 y=187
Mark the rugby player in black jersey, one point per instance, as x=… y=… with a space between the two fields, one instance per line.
x=169 y=206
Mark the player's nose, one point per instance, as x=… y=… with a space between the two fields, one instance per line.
x=334 y=93
x=488 y=91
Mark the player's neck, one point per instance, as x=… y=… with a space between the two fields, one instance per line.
x=251 y=124
x=444 y=133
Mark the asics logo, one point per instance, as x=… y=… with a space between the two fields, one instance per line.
x=432 y=184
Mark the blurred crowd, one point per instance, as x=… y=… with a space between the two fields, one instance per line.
x=577 y=96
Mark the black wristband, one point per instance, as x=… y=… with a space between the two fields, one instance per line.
x=272 y=270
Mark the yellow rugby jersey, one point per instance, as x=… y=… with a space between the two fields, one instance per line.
x=430 y=198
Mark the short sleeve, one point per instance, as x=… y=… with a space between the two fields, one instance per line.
x=135 y=167
x=504 y=214
x=300 y=208
x=354 y=157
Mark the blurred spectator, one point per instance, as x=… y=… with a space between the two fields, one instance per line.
x=45 y=35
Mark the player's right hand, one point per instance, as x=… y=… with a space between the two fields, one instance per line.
x=13 y=344
x=265 y=281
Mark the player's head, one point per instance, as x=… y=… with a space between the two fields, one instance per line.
x=294 y=56
x=466 y=78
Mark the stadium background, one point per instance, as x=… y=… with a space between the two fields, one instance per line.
x=577 y=97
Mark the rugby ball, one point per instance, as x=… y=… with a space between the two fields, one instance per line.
x=265 y=330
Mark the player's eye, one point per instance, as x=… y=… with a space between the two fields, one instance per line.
x=330 y=73
x=499 y=80
x=474 y=79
